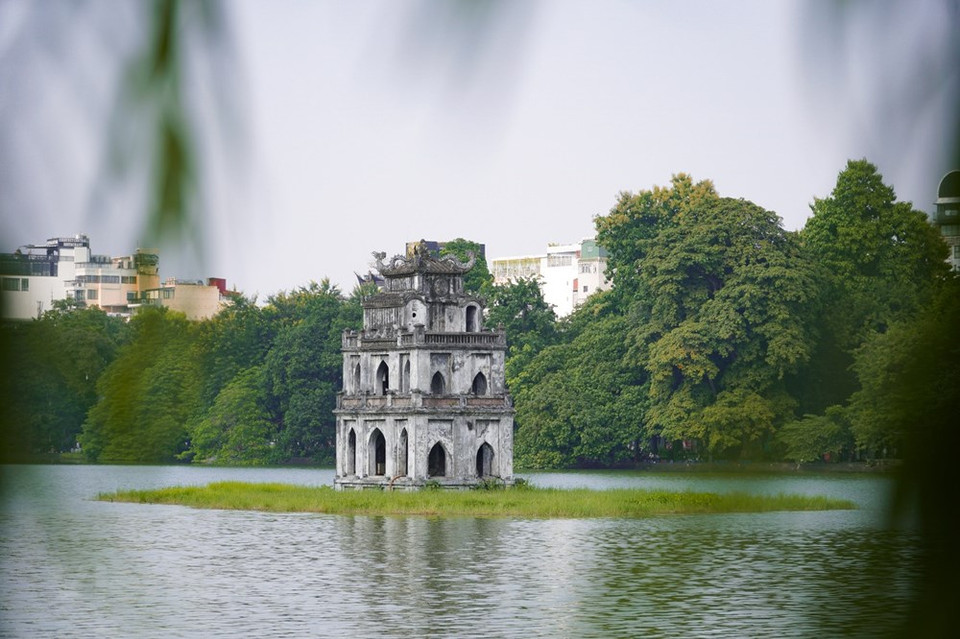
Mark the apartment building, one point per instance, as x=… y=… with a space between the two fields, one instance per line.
x=568 y=273
x=36 y=275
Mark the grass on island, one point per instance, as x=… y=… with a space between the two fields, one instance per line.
x=511 y=502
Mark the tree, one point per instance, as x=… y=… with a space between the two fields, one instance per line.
x=304 y=369
x=814 y=436
x=527 y=319
x=147 y=394
x=578 y=403
x=721 y=301
x=477 y=280
x=54 y=364
x=880 y=261
x=237 y=429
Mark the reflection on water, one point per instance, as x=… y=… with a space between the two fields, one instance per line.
x=72 y=566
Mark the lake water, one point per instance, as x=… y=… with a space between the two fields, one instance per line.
x=75 y=567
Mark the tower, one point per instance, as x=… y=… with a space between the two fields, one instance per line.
x=424 y=397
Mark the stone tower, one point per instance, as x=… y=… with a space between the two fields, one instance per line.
x=423 y=397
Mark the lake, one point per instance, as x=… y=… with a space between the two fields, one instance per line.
x=76 y=567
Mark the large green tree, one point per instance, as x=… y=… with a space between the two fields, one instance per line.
x=53 y=365
x=879 y=262
x=147 y=395
x=721 y=300
x=304 y=369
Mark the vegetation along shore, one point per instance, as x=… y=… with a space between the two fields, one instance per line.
x=509 y=502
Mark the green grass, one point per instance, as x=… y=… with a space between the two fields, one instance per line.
x=526 y=502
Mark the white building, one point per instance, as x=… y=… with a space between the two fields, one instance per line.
x=568 y=273
x=37 y=275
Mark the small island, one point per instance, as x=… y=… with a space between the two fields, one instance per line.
x=522 y=501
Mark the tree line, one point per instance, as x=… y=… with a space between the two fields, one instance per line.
x=723 y=336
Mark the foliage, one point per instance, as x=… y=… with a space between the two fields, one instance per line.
x=528 y=321
x=577 y=403
x=477 y=280
x=705 y=320
x=147 y=394
x=879 y=263
x=910 y=379
x=237 y=429
x=53 y=365
x=304 y=366
x=814 y=436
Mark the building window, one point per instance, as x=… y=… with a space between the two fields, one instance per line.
x=24 y=284
x=128 y=279
x=92 y=294
x=479 y=385
x=586 y=289
x=167 y=293
x=437 y=385
x=11 y=284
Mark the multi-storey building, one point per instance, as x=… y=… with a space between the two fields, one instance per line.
x=196 y=299
x=37 y=275
x=947 y=217
x=424 y=396
x=568 y=273
x=114 y=283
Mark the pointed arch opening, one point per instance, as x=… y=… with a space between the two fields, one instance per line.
x=383 y=378
x=437 y=461
x=351 y=468
x=377 y=453
x=485 y=461
x=402 y=451
x=472 y=325
x=479 y=386
x=356 y=379
x=405 y=382
x=438 y=385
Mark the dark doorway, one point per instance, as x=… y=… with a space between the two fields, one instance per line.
x=437 y=461
x=378 y=450
x=352 y=453
x=485 y=461
x=402 y=454
x=383 y=378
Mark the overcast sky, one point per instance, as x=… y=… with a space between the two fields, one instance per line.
x=359 y=126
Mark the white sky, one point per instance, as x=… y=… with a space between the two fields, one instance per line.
x=370 y=124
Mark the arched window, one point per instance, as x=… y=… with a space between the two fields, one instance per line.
x=383 y=379
x=479 y=385
x=356 y=379
x=485 y=461
x=437 y=385
x=405 y=382
x=437 y=461
x=402 y=454
x=377 y=453
x=351 y=453
x=471 y=319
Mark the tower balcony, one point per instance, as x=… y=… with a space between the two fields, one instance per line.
x=417 y=401
x=390 y=339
